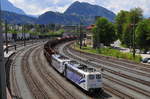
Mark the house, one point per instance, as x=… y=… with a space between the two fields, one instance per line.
x=89 y=35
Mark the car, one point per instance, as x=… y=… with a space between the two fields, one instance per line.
x=146 y=60
x=148 y=52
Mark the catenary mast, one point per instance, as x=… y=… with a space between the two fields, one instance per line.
x=2 y=65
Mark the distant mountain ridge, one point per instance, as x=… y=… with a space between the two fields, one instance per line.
x=78 y=12
x=8 y=6
x=14 y=18
x=57 y=18
x=87 y=9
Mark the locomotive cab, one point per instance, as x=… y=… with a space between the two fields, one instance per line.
x=94 y=82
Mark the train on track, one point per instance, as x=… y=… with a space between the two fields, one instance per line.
x=81 y=75
x=19 y=36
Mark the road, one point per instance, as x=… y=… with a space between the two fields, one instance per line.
x=117 y=45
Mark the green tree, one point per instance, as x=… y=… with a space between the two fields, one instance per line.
x=127 y=36
x=136 y=15
x=121 y=20
x=14 y=29
x=142 y=34
x=126 y=23
x=95 y=37
x=104 y=32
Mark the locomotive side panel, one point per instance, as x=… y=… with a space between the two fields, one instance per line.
x=76 y=77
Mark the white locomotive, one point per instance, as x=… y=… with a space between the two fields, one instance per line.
x=87 y=78
x=58 y=62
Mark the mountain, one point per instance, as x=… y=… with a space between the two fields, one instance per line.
x=87 y=9
x=14 y=18
x=8 y=6
x=78 y=12
x=57 y=18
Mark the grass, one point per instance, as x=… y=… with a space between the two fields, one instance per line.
x=110 y=52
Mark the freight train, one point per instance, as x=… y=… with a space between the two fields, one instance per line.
x=19 y=36
x=85 y=77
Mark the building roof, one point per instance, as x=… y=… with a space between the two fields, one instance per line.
x=90 y=27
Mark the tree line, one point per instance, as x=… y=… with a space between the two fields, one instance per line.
x=130 y=27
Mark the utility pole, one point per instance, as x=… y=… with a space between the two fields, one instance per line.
x=23 y=31
x=134 y=27
x=81 y=36
x=2 y=65
x=134 y=40
x=6 y=36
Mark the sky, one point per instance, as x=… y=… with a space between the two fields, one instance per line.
x=37 y=7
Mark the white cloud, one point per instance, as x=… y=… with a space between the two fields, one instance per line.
x=36 y=7
x=40 y=6
x=117 y=5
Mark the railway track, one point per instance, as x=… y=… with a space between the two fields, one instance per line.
x=50 y=79
x=84 y=57
x=118 y=65
x=34 y=85
x=14 y=87
x=16 y=90
x=63 y=50
x=21 y=43
x=44 y=84
x=48 y=82
x=144 y=82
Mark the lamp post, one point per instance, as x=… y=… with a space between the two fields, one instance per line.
x=2 y=65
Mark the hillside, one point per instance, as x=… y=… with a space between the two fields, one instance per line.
x=8 y=6
x=57 y=18
x=86 y=9
x=77 y=13
x=14 y=18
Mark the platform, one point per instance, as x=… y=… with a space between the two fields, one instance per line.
x=6 y=56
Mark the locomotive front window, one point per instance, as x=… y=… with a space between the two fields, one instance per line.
x=91 y=77
x=98 y=76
